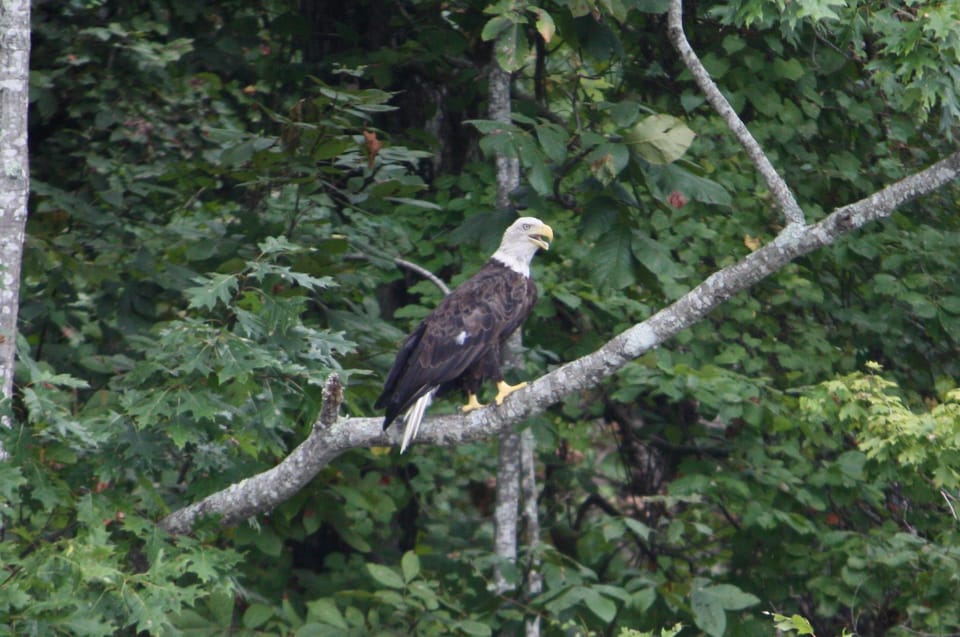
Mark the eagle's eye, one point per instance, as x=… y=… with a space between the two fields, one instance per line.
x=526 y=226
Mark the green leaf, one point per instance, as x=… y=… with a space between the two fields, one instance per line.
x=666 y=179
x=544 y=23
x=796 y=623
x=511 y=48
x=950 y=304
x=788 y=69
x=384 y=575
x=606 y=161
x=660 y=139
x=612 y=259
x=495 y=26
x=652 y=6
x=314 y=629
x=656 y=258
x=731 y=597
x=257 y=615
x=708 y=614
x=819 y=9
x=325 y=611
x=710 y=603
x=642 y=530
x=602 y=607
x=553 y=140
x=615 y=8
x=410 y=566
x=213 y=289
x=476 y=628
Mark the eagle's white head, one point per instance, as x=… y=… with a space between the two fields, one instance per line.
x=521 y=241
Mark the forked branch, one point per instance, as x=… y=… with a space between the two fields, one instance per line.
x=778 y=187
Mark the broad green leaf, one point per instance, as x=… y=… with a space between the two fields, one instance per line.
x=384 y=575
x=495 y=26
x=788 y=69
x=730 y=597
x=708 y=614
x=425 y=594
x=257 y=615
x=539 y=175
x=475 y=628
x=553 y=140
x=511 y=48
x=669 y=178
x=314 y=629
x=602 y=607
x=607 y=161
x=642 y=530
x=710 y=603
x=544 y=23
x=612 y=260
x=579 y=8
x=656 y=258
x=410 y=566
x=615 y=8
x=660 y=139
x=652 y=6
x=325 y=611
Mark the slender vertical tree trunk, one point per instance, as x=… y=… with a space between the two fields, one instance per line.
x=516 y=478
x=529 y=495
x=508 y=461
x=14 y=176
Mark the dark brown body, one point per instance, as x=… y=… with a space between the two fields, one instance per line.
x=459 y=342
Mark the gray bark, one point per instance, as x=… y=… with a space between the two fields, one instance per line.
x=263 y=492
x=530 y=497
x=14 y=177
x=506 y=510
x=778 y=187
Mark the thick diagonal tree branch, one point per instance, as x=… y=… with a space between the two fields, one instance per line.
x=265 y=491
x=778 y=187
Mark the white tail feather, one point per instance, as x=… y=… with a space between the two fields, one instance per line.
x=413 y=418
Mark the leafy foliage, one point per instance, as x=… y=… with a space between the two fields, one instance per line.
x=219 y=191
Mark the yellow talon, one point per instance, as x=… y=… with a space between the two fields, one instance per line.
x=472 y=403
x=504 y=390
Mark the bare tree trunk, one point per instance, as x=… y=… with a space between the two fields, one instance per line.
x=530 y=496
x=508 y=459
x=14 y=177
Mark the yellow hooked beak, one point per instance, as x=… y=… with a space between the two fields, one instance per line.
x=541 y=236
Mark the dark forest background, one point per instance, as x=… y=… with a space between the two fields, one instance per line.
x=220 y=189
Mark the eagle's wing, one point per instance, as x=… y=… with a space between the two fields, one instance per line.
x=463 y=328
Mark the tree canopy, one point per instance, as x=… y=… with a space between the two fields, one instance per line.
x=231 y=201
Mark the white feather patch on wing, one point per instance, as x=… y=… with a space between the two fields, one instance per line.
x=413 y=418
x=461 y=337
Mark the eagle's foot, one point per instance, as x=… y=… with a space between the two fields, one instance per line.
x=472 y=404
x=504 y=390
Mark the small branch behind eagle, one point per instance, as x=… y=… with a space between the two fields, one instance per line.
x=425 y=273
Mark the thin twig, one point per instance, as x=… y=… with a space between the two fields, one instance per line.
x=778 y=187
x=948 y=498
x=425 y=273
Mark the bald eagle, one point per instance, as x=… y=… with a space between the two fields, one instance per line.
x=459 y=342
